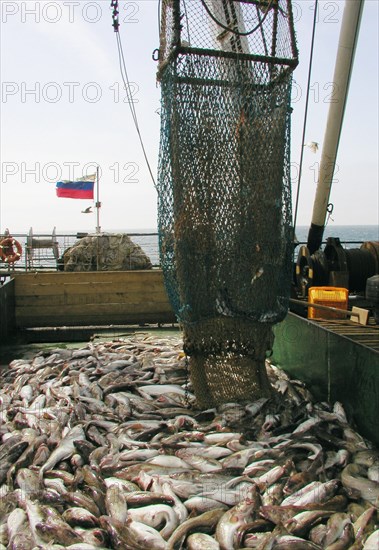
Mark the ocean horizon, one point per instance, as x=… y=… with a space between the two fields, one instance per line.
x=365 y=232
x=351 y=236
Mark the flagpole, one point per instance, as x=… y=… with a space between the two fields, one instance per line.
x=98 y=204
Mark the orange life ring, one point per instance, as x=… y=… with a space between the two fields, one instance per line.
x=7 y=250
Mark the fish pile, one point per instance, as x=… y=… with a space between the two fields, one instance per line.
x=103 y=447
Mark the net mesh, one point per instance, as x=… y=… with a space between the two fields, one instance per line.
x=224 y=211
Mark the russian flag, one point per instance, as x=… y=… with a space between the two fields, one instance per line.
x=80 y=189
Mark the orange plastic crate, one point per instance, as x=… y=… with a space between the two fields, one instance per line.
x=327 y=296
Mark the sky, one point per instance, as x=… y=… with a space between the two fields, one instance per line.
x=64 y=111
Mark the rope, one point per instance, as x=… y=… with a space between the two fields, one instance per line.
x=125 y=79
x=262 y=31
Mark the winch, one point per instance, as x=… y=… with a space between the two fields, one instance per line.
x=337 y=266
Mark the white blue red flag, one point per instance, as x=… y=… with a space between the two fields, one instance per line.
x=78 y=189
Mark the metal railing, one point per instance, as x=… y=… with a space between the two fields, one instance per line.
x=37 y=257
x=44 y=252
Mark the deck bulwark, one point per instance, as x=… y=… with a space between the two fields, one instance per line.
x=90 y=298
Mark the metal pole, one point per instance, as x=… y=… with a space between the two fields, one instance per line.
x=344 y=64
x=345 y=312
x=98 y=203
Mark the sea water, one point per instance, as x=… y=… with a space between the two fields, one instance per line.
x=351 y=236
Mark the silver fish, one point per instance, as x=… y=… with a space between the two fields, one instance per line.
x=314 y=492
x=201 y=504
x=240 y=459
x=144 y=498
x=362 y=523
x=317 y=534
x=372 y=542
x=273 y=495
x=122 y=484
x=35 y=517
x=258 y=466
x=115 y=504
x=290 y=542
x=352 y=477
x=76 y=516
x=79 y=546
x=302 y=523
x=133 y=535
x=270 y=477
x=78 y=499
x=373 y=473
x=207 y=519
x=142 y=456
x=154 y=515
x=64 y=450
x=202 y=541
x=178 y=507
x=345 y=540
x=56 y=484
x=231 y=521
x=366 y=457
x=335 y=526
x=168 y=460
x=154 y=390
x=203 y=464
x=28 y=481
x=15 y=524
x=256 y=406
x=94 y=536
x=220 y=438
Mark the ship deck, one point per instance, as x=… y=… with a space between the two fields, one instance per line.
x=365 y=335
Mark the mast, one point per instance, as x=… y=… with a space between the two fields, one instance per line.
x=229 y=14
x=342 y=73
x=98 y=203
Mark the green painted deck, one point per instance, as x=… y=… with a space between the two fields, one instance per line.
x=338 y=361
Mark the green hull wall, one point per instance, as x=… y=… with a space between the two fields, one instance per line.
x=334 y=368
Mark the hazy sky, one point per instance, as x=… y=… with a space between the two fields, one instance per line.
x=64 y=111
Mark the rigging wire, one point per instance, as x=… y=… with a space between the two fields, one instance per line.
x=159 y=18
x=126 y=82
x=262 y=31
x=235 y=31
x=305 y=115
x=187 y=24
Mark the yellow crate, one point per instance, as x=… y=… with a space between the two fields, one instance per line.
x=327 y=296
